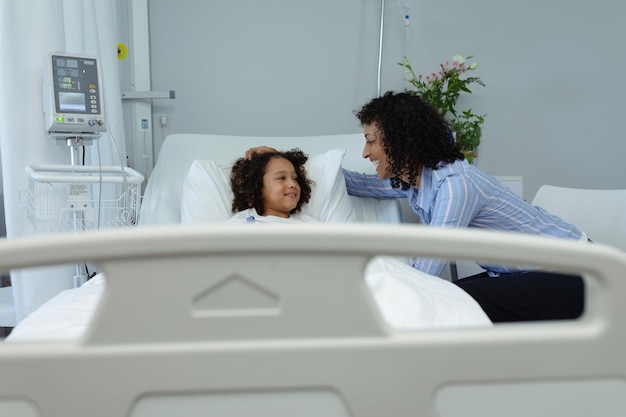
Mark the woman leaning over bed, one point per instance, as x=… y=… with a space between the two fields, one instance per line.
x=415 y=157
x=411 y=146
x=270 y=187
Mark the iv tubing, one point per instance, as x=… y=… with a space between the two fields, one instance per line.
x=380 y=43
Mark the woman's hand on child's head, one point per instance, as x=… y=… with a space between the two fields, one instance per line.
x=258 y=149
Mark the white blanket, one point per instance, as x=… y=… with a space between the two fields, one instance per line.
x=407 y=300
x=64 y=317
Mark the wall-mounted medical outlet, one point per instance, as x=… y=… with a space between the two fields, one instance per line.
x=144 y=124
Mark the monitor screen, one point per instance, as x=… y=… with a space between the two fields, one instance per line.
x=75 y=81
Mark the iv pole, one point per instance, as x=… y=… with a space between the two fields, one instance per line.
x=380 y=44
x=74 y=143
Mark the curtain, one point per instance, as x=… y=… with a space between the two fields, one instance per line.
x=29 y=30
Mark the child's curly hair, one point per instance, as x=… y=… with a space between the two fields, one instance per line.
x=246 y=180
x=413 y=134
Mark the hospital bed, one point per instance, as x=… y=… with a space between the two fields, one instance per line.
x=219 y=320
x=190 y=186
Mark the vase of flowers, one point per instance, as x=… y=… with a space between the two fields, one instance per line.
x=442 y=89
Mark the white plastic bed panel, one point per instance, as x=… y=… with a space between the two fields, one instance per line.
x=321 y=348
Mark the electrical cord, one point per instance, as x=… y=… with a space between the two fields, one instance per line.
x=125 y=189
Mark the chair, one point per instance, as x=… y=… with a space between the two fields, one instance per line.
x=601 y=214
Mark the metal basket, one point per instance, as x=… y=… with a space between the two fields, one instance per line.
x=63 y=198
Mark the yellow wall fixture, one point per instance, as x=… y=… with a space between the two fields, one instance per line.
x=122 y=51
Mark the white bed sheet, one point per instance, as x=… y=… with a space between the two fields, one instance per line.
x=407 y=300
x=64 y=317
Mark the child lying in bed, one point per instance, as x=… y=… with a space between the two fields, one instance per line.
x=270 y=187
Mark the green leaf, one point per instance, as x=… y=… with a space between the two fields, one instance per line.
x=443 y=93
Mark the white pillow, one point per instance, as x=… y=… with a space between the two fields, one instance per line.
x=207 y=197
x=329 y=197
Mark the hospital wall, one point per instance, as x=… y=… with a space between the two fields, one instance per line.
x=553 y=95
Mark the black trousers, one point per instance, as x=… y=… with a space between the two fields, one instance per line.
x=531 y=296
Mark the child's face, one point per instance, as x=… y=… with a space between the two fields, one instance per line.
x=281 y=191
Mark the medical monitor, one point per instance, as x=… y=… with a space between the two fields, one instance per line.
x=72 y=95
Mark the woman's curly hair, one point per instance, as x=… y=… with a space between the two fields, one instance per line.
x=246 y=180
x=413 y=134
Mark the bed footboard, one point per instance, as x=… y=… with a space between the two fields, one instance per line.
x=246 y=321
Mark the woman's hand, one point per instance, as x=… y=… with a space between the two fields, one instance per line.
x=258 y=149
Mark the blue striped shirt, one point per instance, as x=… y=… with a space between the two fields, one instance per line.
x=460 y=195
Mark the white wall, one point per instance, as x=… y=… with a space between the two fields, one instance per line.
x=281 y=67
x=553 y=95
